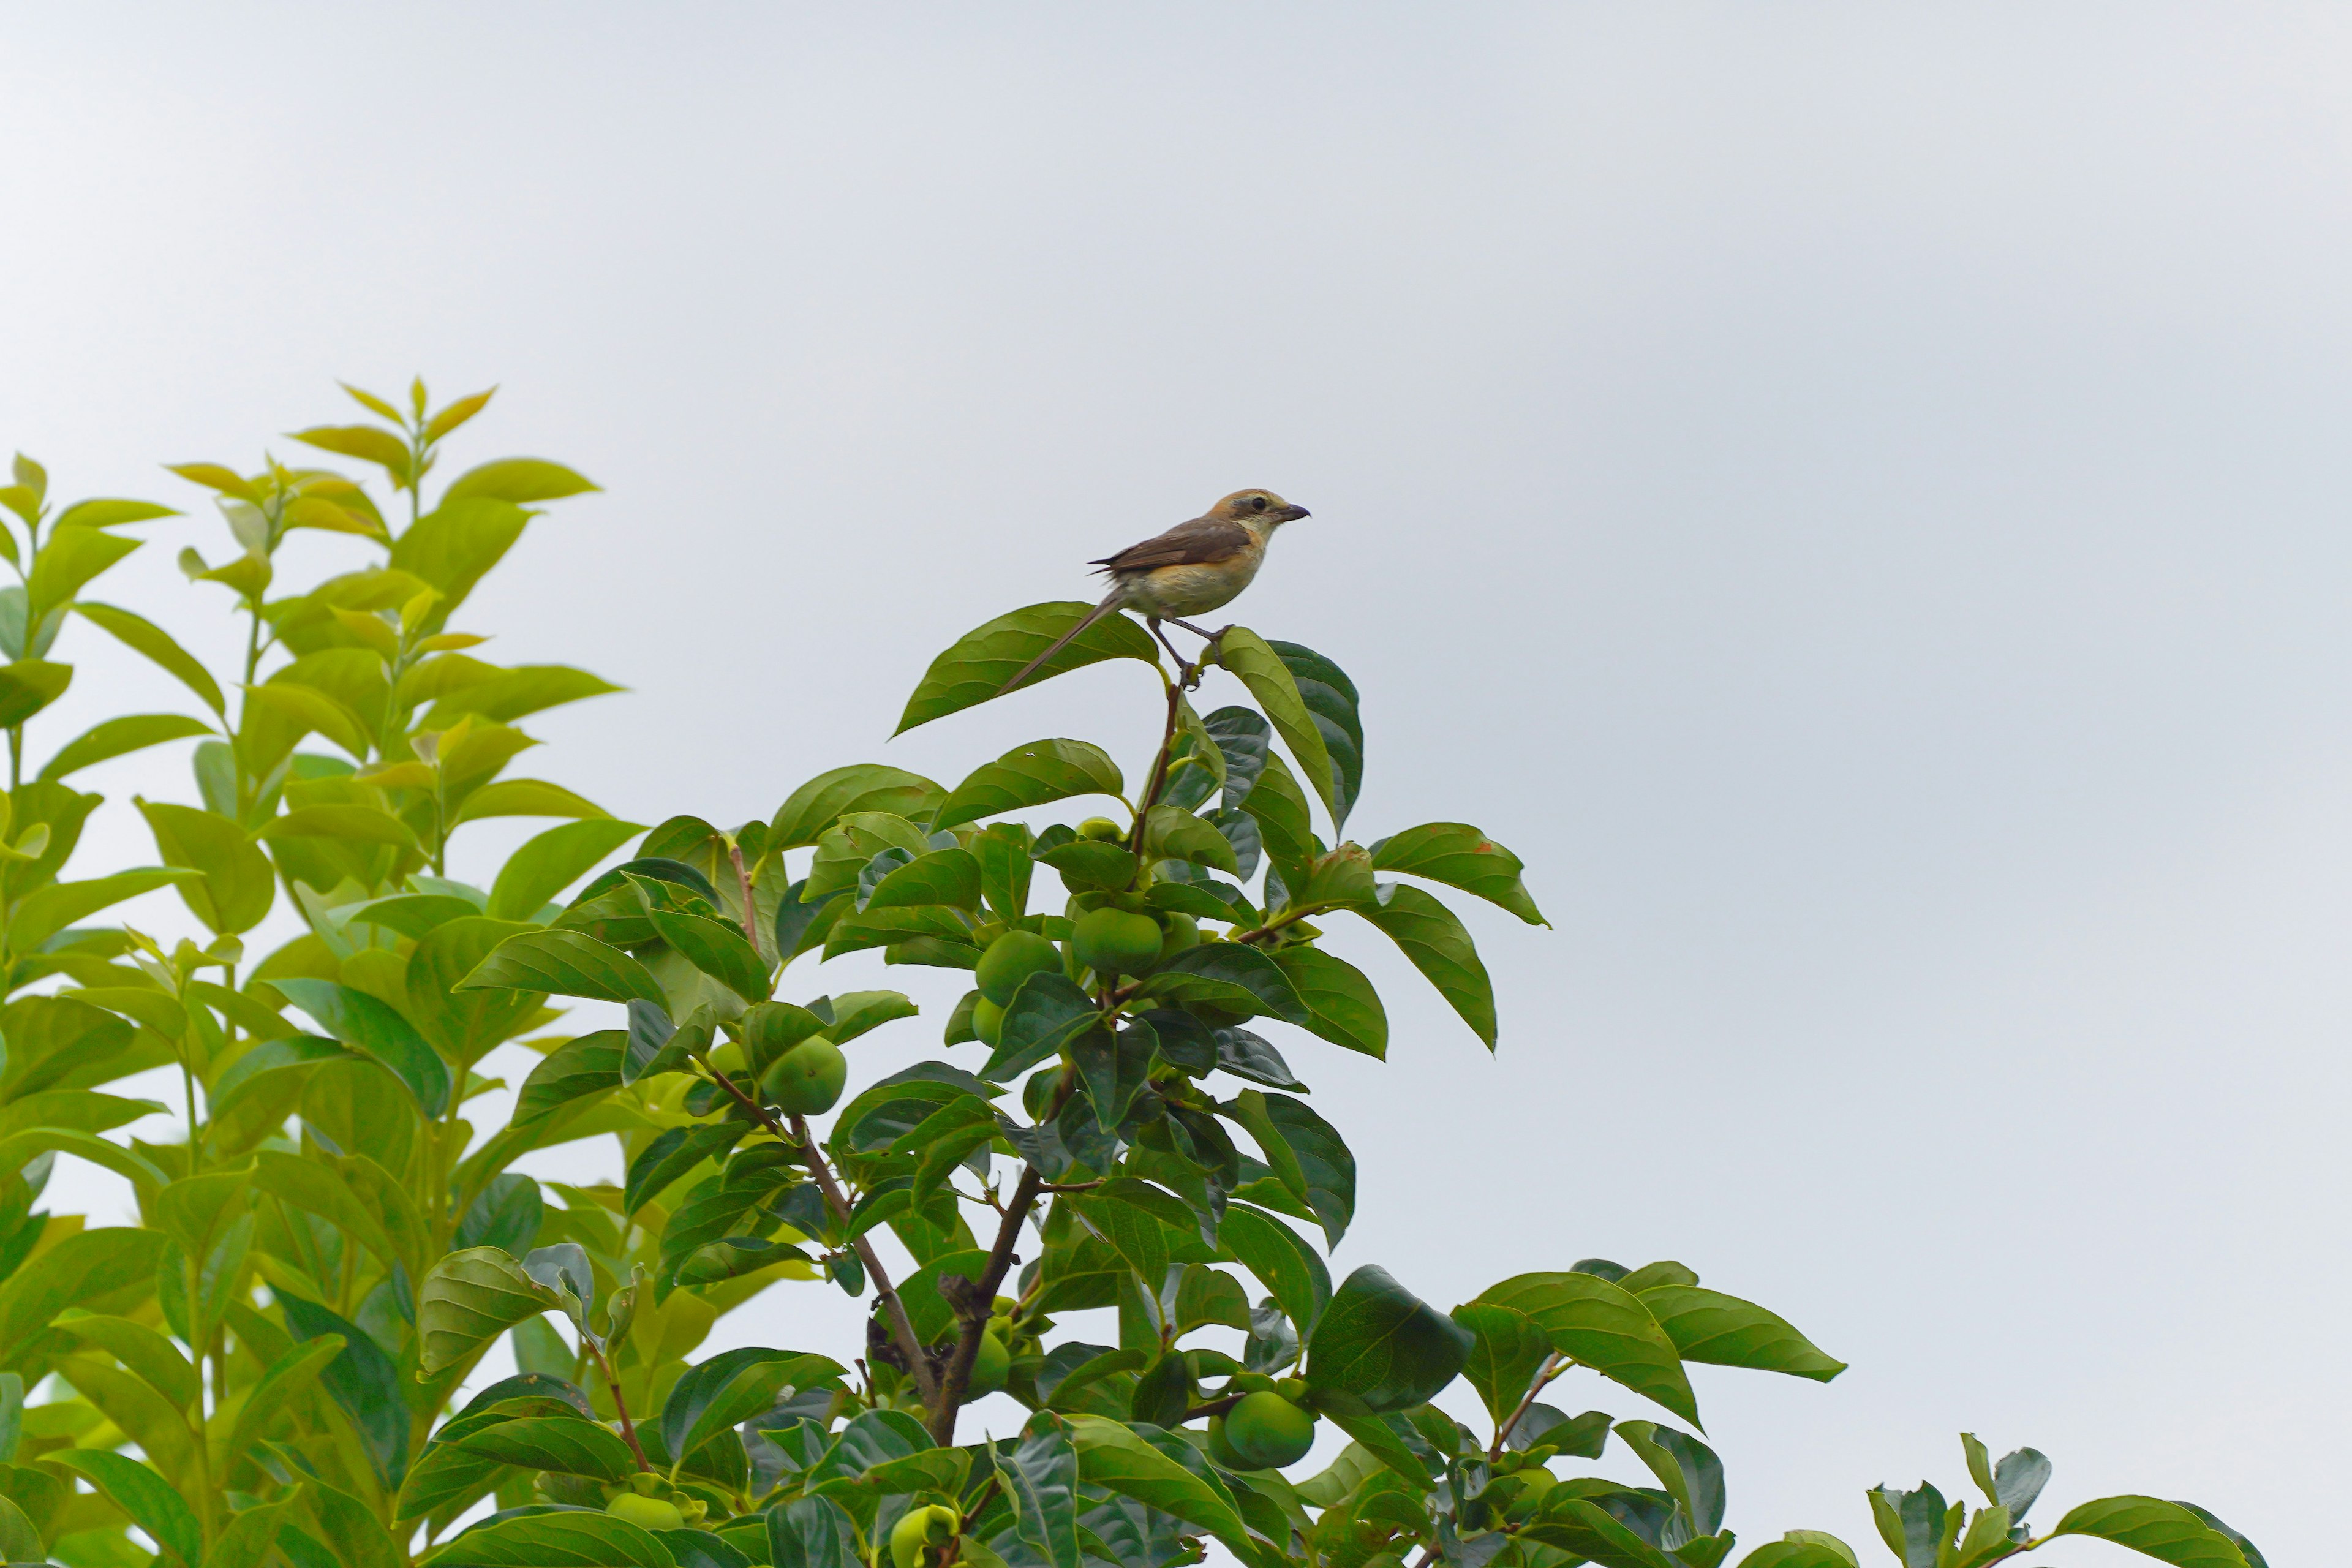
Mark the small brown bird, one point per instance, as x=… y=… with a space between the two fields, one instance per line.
x=1189 y=570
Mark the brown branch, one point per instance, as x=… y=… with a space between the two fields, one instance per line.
x=1158 y=779
x=1215 y=1407
x=620 y=1405
x=973 y=1303
x=1554 y=1365
x=902 y=1329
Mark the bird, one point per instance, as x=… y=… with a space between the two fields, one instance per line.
x=1189 y=570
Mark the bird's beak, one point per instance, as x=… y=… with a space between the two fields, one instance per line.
x=1293 y=514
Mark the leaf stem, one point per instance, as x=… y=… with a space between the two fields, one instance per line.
x=620 y=1404
x=1554 y=1365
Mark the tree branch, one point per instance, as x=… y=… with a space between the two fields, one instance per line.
x=902 y=1329
x=973 y=1302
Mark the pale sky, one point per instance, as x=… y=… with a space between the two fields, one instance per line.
x=1853 y=495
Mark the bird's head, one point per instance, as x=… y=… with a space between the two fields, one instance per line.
x=1260 y=510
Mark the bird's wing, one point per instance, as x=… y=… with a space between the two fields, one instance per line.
x=1203 y=542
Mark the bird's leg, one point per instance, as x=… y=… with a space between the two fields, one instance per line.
x=1198 y=631
x=1187 y=673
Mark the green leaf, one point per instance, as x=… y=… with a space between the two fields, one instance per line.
x=812 y=1532
x=1798 y=1550
x=1609 y=1331
x=1045 y=1015
x=1459 y=856
x=1313 y=1148
x=1170 y=834
x=366 y=1025
x=237 y=883
x=1507 y=1350
x=525 y=797
x=1112 y=1455
x=46 y=912
x=1577 y=1525
x=464 y=1025
x=107 y=511
x=29 y=685
x=1281 y=1261
x=1228 y=975
x=280 y=1384
x=316 y=1187
x=250 y=1538
x=307 y=709
x=517 y=479
x=1724 y=1330
x=1435 y=942
x=1377 y=1347
x=468 y=1299
x=145 y=1354
x=144 y=637
x=1342 y=1007
x=1042 y=1475
x=1330 y=697
x=731 y=1388
x=83 y=1267
x=67 y=564
x=1033 y=774
x=368 y=443
x=976 y=668
x=1278 y=807
x=566 y=963
x=1686 y=1468
x=352 y=824
x=118 y=737
x=584 y=1538
x=19 y=1541
x=553 y=861
x=564 y=1444
x=2153 y=1528
x=948 y=877
x=361 y=1377
x=145 y=1495
x=825 y=799
x=717 y=949
x=518 y=692
x=1243 y=652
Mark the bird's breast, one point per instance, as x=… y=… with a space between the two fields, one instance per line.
x=1192 y=590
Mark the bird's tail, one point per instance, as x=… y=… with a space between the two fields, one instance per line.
x=1110 y=602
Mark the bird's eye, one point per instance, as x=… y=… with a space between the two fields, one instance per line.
x=1257 y=503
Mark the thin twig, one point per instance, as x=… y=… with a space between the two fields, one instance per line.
x=902 y=1328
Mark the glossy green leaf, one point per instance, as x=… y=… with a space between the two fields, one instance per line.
x=1331 y=700
x=1033 y=774
x=1112 y=1455
x=359 y=1377
x=715 y=948
x=1377 y=1347
x=70 y=559
x=976 y=668
x=108 y=511
x=948 y=876
x=1042 y=1474
x=1314 y=1149
x=1792 y=1552
x=144 y=637
x=1435 y=941
x=150 y=1500
x=733 y=1386
x=553 y=861
x=1228 y=975
x=825 y=799
x=1281 y=1261
x=1170 y=834
x=1269 y=681
x=368 y=443
x=45 y=912
x=1278 y=807
x=237 y=883
x=2153 y=1527
x=1507 y=1350
x=571 y=1539
x=282 y=1382
x=525 y=797
x=1686 y=1467
x=353 y=824
x=812 y=1532
x=566 y=963
x=145 y=1354
x=20 y=1542
x=1045 y=1015
x=565 y=1444
x=119 y=737
x=1459 y=856
x=1608 y=1329
x=1341 y=1005
x=366 y=1025
x=1724 y=1330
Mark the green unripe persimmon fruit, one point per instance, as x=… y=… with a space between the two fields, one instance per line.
x=1038 y=1092
x=1220 y=1449
x=987 y=1020
x=990 y=1368
x=1536 y=1480
x=807 y=1079
x=1101 y=829
x=1011 y=959
x=646 y=1512
x=935 y=1525
x=1112 y=942
x=1267 y=1431
x=1183 y=931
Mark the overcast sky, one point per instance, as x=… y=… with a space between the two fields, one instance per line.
x=1853 y=495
